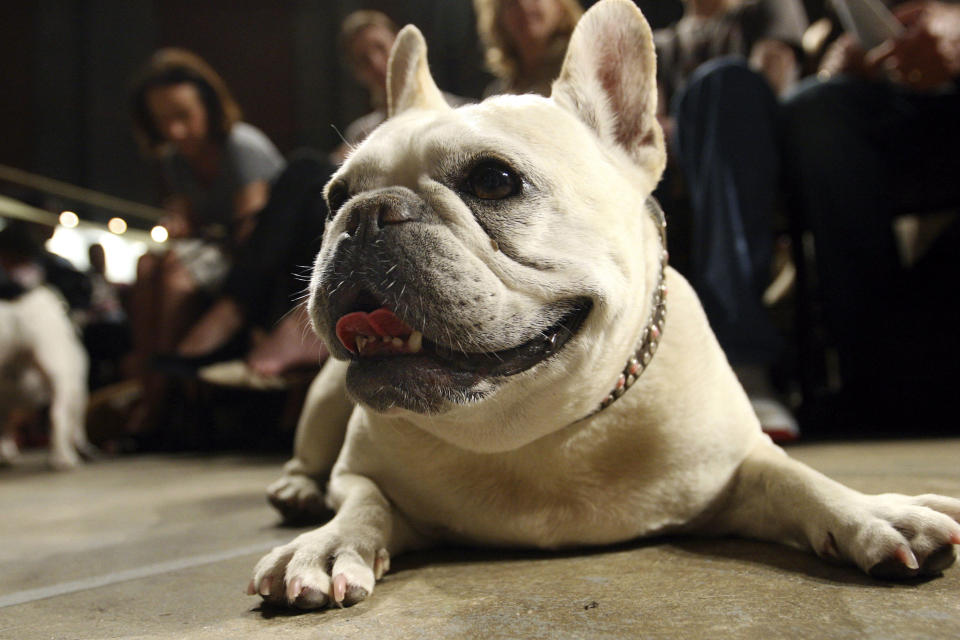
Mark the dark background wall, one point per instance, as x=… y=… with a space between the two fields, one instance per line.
x=66 y=64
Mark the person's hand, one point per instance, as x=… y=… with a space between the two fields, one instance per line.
x=845 y=55
x=914 y=59
x=927 y=55
x=177 y=221
x=777 y=62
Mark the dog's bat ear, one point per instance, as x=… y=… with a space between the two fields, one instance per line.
x=409 y=83
x=609 y=80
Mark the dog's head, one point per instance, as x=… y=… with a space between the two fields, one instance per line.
x=489 y=266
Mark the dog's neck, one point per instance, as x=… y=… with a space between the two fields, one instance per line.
x=653 y=330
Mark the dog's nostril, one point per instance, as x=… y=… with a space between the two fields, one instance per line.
x=392 y=213
x=369 y=218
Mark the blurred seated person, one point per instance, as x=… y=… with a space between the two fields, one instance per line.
x=217 y=171
x=525 y=42
x=267 y=281
x=875 y=135
x=365 y=41
x=721 y=69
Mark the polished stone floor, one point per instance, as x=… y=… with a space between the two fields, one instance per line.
x=162 y=547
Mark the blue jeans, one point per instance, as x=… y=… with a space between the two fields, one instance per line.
x=729 y=151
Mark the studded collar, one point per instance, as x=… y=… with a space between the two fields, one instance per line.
x=653 y=330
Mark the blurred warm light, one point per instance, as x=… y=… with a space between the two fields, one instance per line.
x=69 y=219
x=159 y=234
x=122 y=252
x=117 y=226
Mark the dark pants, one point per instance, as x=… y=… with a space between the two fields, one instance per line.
x=272 y=268
x=856 y=155
x=729 y=151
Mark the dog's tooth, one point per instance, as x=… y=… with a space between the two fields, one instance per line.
x=361 y=343
x=415 y=342
x=397 y=342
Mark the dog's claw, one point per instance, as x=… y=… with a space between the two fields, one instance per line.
x=265 y=587
x=905 y=555
x=251 y=589
x=339 y=588
x=381 y=564
x=294 y=589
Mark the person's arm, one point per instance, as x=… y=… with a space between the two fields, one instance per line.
x=179 y=221
x=926 y=56
x=256 y=162
x=250 y=199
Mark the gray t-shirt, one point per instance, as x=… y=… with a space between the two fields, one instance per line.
x=683 y=47
x=248 y=157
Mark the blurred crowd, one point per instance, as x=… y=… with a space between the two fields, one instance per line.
x=793 y=148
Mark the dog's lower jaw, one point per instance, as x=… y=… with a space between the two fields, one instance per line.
x=386 y=386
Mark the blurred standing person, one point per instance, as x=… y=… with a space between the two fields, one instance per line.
x=106 y=332
x=217 y=171
x=525 y=41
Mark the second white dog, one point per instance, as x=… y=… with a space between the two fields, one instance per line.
x=42 y=362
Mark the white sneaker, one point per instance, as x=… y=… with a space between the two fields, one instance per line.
x=775 y=419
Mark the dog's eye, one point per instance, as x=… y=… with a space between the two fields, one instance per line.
x=337 y=195
x=492 y=181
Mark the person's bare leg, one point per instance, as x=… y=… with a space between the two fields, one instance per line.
x=144 y=301
x=179 y=305
x=176 y=306
x=291 y=345
x=216 y=326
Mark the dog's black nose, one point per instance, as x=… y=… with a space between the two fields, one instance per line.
x=369 y=216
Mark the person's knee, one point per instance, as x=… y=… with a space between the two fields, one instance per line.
x=728 y=78
x=177 y=280
x=818 y=106
x=148 y=266
x=724 y=97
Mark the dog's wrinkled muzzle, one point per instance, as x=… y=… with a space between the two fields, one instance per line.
x=372 y=212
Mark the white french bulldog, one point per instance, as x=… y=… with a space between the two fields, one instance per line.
x=493 y=281
x=42 y=362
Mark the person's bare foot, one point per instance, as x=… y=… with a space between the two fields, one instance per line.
x=291 y=345
x=214 y=329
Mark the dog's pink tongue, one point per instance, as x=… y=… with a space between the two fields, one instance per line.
x=377 y=333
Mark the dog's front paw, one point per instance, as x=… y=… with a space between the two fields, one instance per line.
x=898 y=537
x=321 y=568
x=298 y=498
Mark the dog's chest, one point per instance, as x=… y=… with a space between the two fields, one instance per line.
x=544 y=496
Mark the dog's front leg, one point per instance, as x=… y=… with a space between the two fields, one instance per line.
x=298 y=493
x=338 y=563
x=891 y=536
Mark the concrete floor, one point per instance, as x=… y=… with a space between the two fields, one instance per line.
x=162 y=547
